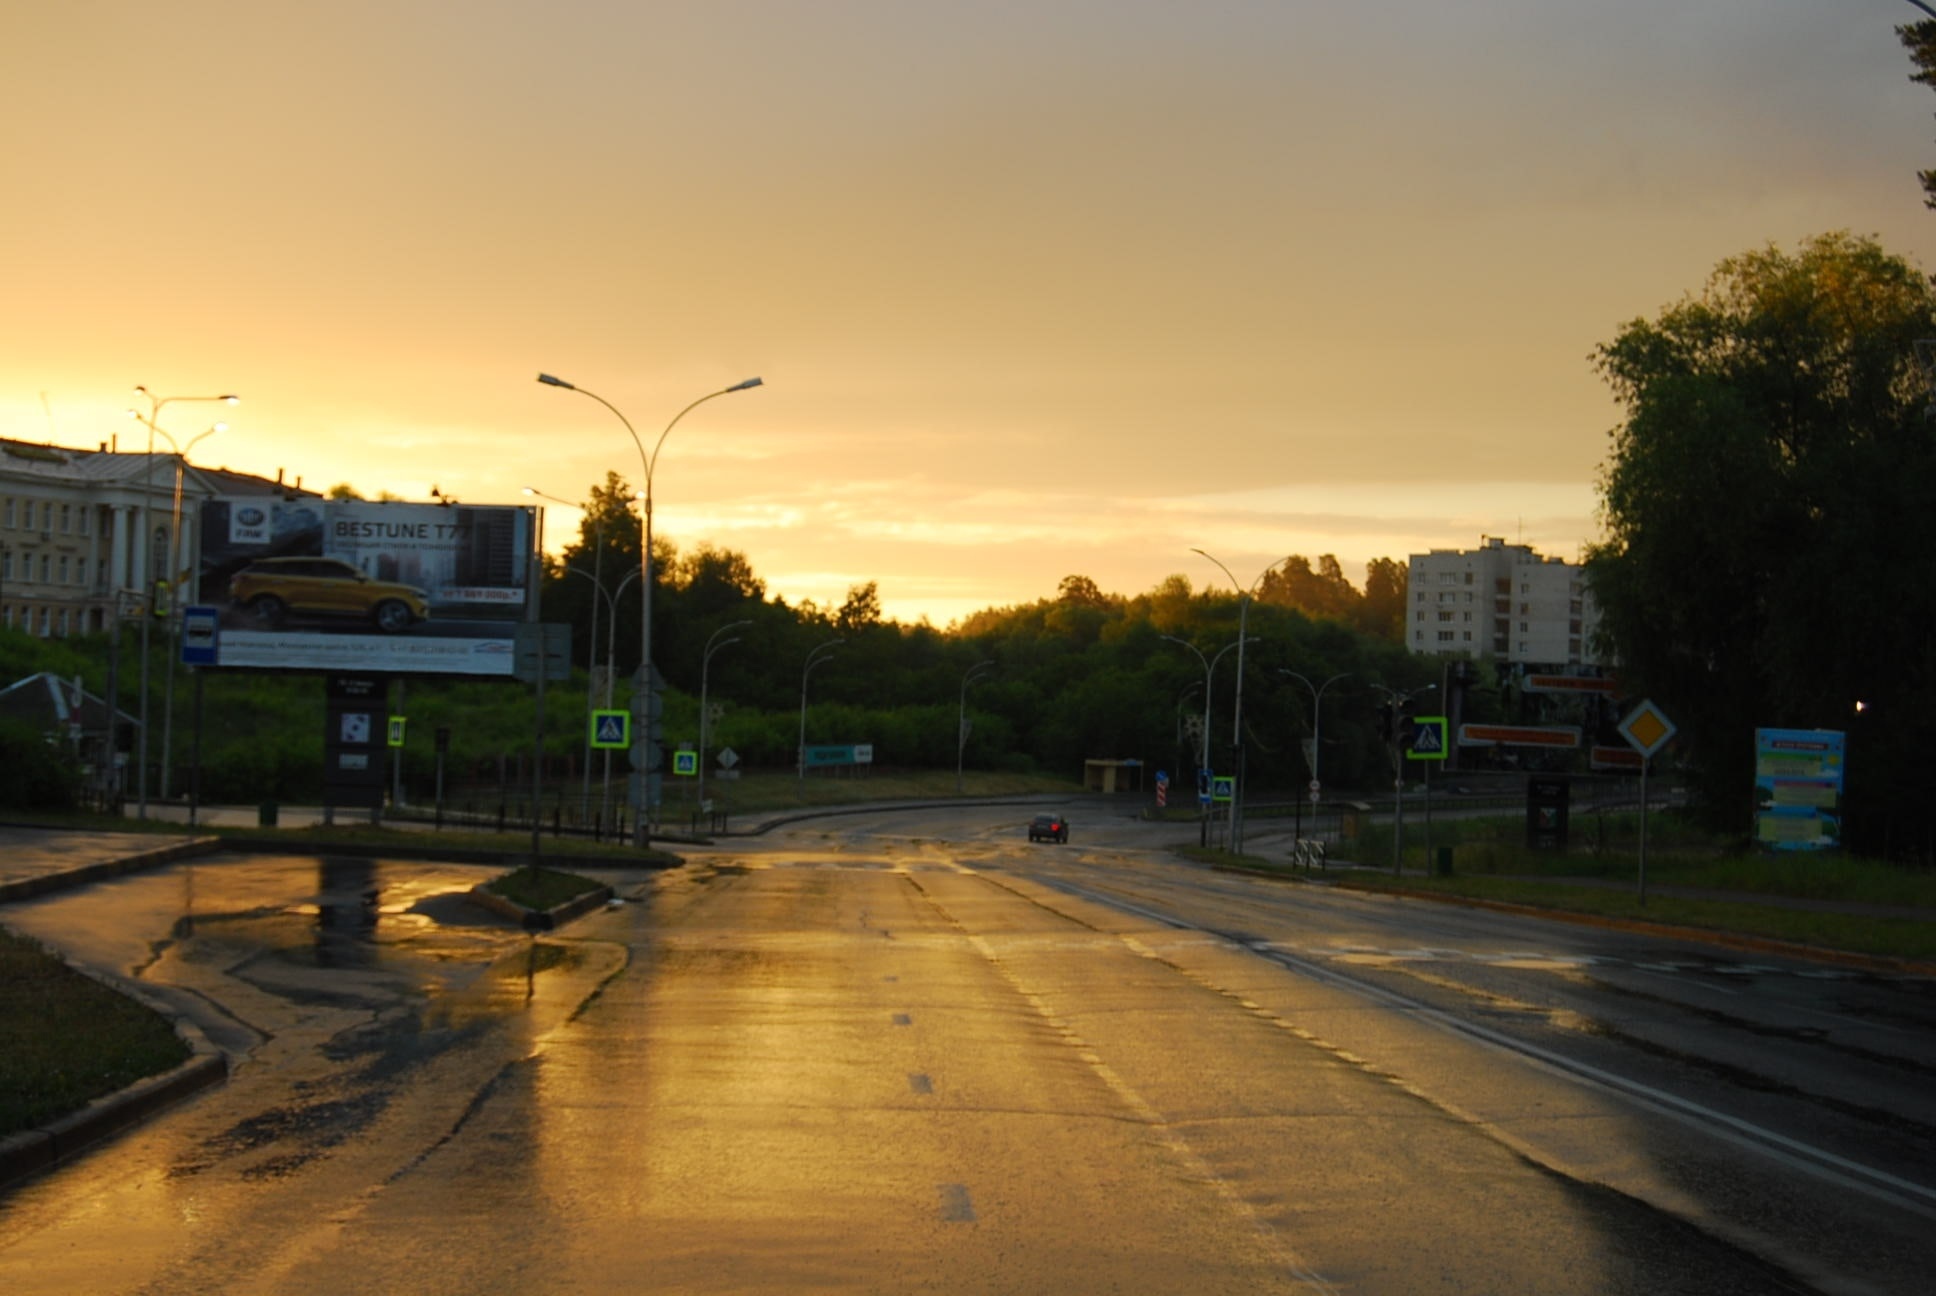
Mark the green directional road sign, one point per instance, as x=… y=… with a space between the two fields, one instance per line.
x=611 y=729
x=1428 y=739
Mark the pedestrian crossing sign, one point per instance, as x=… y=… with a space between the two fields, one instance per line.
x=611 y=729
x=1428 y=739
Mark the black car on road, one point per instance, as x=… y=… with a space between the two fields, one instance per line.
x=1049 y=827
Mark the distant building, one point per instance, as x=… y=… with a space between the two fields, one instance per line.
x=1502 y=601
x=71 y=525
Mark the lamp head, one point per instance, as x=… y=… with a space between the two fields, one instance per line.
x=551 y=381
x=742 y=386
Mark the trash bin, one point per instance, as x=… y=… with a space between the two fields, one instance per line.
x=1445 y=861
x=265 y=815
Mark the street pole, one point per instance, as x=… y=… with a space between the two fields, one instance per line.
x=597 y=579
x=145 y=554
x=705 y=717
x=1237 y=719
x=814 y=658
x=961 y=721
x=1398 y=700
x=177 y=566
x=1317 y=733
x=642 y=833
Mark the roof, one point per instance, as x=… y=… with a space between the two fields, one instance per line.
x=64 y=464
x=49 y=701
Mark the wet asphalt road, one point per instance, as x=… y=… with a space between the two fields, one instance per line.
x=889 y=1053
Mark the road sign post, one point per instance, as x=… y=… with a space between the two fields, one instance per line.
x=1646 y=729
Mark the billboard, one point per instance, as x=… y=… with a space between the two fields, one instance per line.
x=350 y=585
x=1798 y=788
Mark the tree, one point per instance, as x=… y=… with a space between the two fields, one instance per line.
x=861 y=610
x=1382 y=613
x=1764 y=498
x=1920 y=40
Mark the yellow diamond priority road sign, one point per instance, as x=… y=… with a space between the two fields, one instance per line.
x=1647 y=729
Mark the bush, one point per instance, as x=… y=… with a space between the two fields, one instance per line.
x=43 y=775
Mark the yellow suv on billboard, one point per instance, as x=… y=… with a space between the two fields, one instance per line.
x=274 y=589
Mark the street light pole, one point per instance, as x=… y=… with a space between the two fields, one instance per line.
x=961 y=719
x=176 y=567
x=1209 y=676
x=705 y=671
x=814 y=658
x=1317 y=734
x=1237 y=721
x=145 y=550
x=611 y=619
x=643 y=833
x=597 y=579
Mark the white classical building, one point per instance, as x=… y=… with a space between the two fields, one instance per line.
x=71 y=523
x=1502 y=601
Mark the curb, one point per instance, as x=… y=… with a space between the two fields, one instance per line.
x=187 y=848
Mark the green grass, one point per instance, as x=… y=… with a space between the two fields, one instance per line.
x=48 y=1067
x=766 y=794
x=1599 y=876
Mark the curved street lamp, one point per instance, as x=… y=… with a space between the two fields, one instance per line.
x=1317 y=720
x=961 y=718
x=814 y=658
x=1237 y=720
x=146 y=553
x=176 y=570
x=1209 y=675
x=713 y=645
x=647 y=684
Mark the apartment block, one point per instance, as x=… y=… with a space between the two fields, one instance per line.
x=1503 y=601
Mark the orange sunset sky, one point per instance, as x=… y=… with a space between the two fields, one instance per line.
x=1035 y=288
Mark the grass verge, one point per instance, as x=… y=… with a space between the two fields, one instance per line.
x=540 y=889
x=1769 y=897
x=50 y=1067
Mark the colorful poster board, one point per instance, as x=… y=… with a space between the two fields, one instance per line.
x=1798 y=788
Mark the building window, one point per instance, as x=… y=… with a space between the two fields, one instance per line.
x=1447 y=616
x=1445 y=636
x=1468 y=636
x=46 y=570
x=10 y=516
x=47 y=516
x=84 y=521
x=1421 y=616
x=63 y=569
x=43 y=623
x=80 y=571
x=67 y=518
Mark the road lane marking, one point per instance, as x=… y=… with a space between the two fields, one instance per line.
x=1875 y=1183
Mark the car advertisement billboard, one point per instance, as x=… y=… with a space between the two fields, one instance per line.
x=350 y=585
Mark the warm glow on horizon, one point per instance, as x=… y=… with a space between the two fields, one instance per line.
x=1034 y=293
